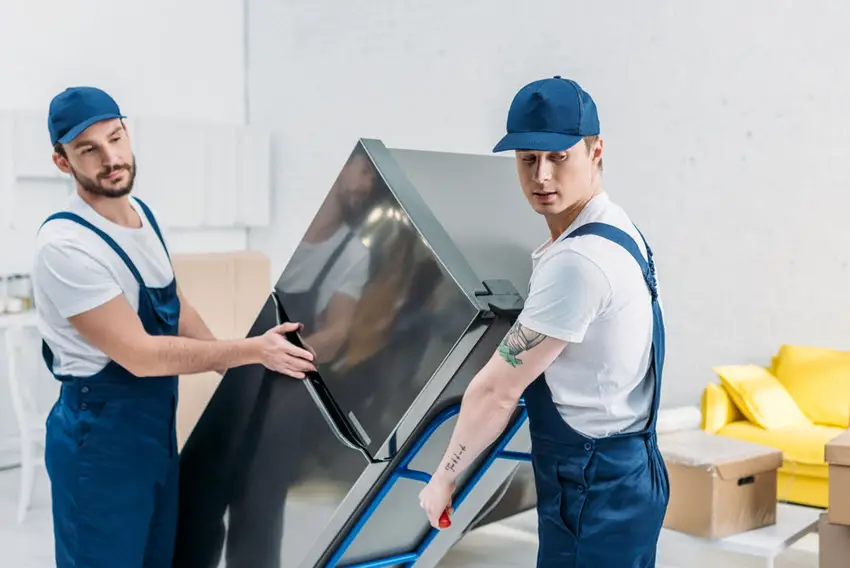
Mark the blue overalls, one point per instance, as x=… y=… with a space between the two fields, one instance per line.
x=111 y=449
x=601 y=502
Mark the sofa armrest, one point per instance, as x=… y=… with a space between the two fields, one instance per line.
x=717 y=408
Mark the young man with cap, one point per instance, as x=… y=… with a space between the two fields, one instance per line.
x=585 y=354
x=116 y=333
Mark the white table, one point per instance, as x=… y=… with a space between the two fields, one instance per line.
x=793 y=522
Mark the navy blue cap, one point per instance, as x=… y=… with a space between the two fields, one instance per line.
x=75 y=109
x=549 y=115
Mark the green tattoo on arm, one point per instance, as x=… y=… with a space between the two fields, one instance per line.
x=518 y=340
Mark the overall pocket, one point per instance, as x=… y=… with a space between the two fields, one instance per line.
x=573 y=483
x=93 y=422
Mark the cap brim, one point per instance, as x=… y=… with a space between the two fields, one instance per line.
x=74 y=132
x=540 y=141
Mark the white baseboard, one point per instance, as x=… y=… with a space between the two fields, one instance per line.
x=10 y=453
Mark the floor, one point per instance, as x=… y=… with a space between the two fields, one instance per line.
x=512 y=543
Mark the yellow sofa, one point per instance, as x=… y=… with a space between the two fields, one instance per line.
x=797 y=405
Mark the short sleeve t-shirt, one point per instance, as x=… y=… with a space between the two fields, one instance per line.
x=590 y=292
x=75 y=271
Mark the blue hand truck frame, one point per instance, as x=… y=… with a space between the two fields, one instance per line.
x=402 y=471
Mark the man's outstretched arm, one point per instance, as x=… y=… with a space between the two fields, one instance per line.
x=115 y=329
x=487 y=406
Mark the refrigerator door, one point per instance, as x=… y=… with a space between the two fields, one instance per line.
x=379 y=304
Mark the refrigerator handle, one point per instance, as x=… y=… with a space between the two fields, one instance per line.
x=322 y=398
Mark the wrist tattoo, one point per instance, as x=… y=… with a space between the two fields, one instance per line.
x=518 y=340
x=454 y=459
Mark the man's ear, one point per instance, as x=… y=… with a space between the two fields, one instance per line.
x=62 y=163
x=597 y=149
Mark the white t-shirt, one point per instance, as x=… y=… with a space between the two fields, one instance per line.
x=75 y=271
x=348 y=275
x=590 y=292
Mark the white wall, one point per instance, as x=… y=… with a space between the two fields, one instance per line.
x=726 y=125
x=181 y=60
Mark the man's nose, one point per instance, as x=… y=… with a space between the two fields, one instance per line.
x=111 y=158
x=543 y=171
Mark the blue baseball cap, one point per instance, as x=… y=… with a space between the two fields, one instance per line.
x=549 y=115
x=75 y=109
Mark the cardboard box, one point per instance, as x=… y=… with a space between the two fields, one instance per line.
x=228 y=290
x=719 y=486
x=834 y=544
x=837 y=455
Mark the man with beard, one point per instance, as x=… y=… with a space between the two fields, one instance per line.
x=117 y=333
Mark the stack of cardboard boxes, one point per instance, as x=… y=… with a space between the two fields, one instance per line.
x=834 y=528
x=721 y=486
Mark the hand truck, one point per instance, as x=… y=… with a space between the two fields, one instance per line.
x=402 y=471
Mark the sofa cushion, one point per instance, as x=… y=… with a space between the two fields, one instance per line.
x=761 y=397
x=800 y=445
x=717 y=408
x=818 y=380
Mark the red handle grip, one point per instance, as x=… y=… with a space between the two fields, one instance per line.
x=445 y=522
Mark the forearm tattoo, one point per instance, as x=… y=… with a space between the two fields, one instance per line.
x=518 y=340
x=454 y=459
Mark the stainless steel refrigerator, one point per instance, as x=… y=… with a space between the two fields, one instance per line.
x=402 y=283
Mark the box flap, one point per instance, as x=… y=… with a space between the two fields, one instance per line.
x=838 y=450
x=726 y=457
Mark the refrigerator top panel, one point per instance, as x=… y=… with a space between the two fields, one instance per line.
x=479 y=202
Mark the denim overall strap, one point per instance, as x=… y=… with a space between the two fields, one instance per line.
x=647 y=267
x=153 y=223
